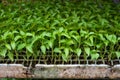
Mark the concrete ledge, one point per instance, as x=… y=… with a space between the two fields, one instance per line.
x=71 y=71
x=13 y=71
x=60 y=71
x=115 y=72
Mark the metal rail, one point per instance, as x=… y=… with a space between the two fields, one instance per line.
x=48 y=59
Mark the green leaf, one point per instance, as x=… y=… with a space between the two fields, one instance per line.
x=41 y=29
x=99 y=45
x=118 y=54
x=22 y=33
x=21 y=46
x=11 y=56
x=65 y=34
x=46 y=34
x=61 y=29
x=114 y=39
x=57 y=50
x=43 y=49
x=88 y=43
x=101 y=37
x=13 y=45
x=15 y=31
x=63 y=41
x=29 y=34
x=8 y=46
x=28 y=55
x=111 y=38
x=108 y=36
x=17 y=38
x=29 y=48
x=78 y=51
x=83 y=33
x=36 y=39
x=64 y=57
x=91 y=40
x=118 y=38
x=69 y=42
x=47 y=46
x=94 y=56
x=106 y=42
x=55 y=23
x=87 y=50
x=50 y=43
x=6 y=34
x=77 y=38
x=3 y=52
x=66 y=50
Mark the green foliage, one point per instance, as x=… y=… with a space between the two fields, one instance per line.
x=67 y=28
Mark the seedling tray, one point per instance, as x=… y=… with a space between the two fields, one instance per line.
x=73 y=39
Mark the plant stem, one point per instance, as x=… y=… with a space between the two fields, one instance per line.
x=52 y=54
